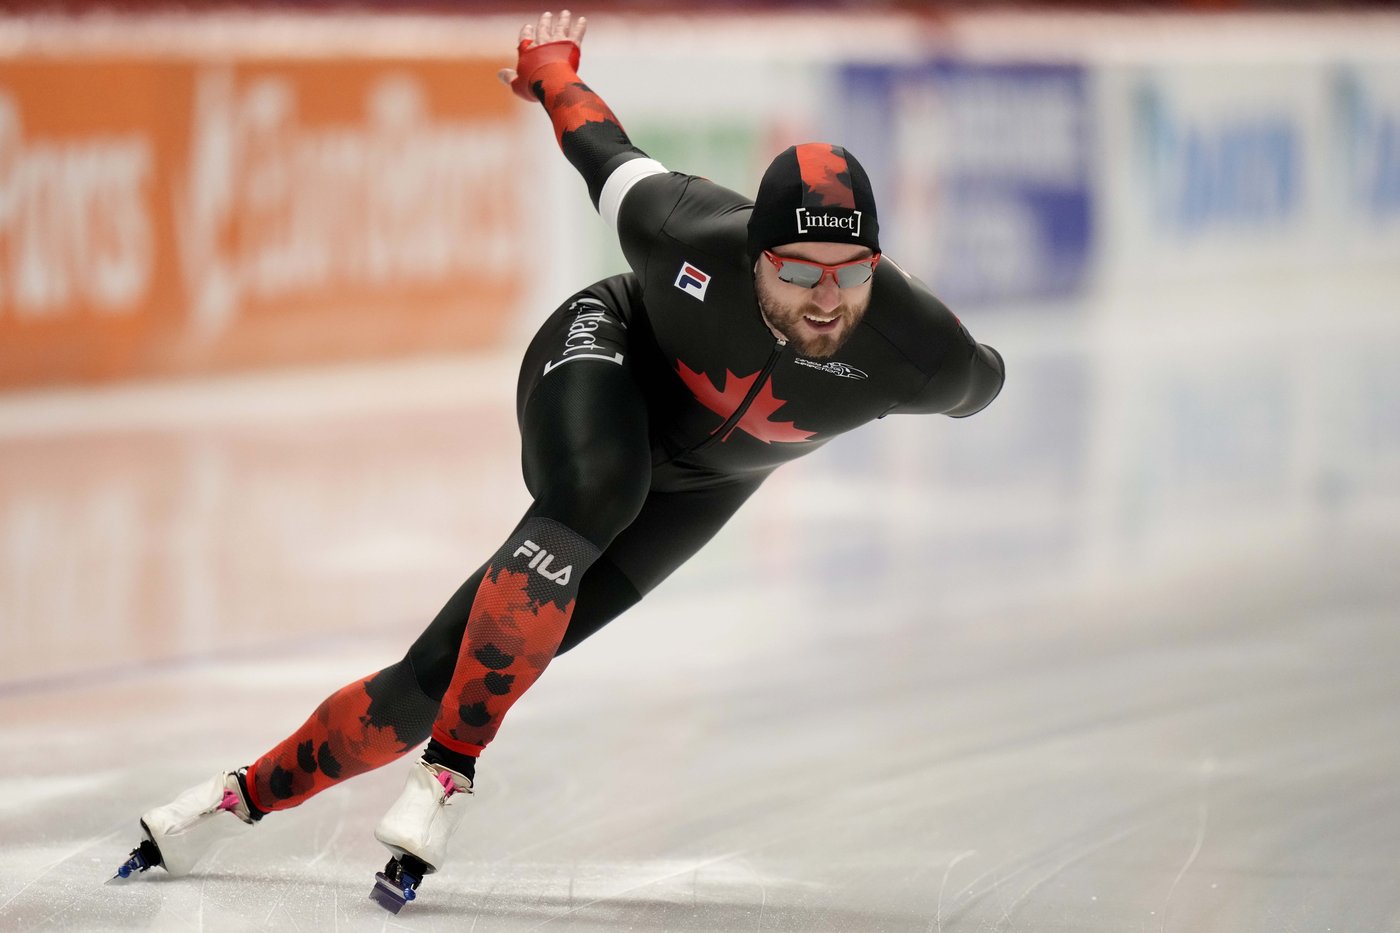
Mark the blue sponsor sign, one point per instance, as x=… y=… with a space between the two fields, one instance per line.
x=982 y=172
x=1208 y=172
x=1368 y=136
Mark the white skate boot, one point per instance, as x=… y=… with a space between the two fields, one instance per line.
x=416 y=830
x=181 y=833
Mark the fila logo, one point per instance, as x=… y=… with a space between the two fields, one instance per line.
x=540 y=559
x=692 y=281
x=807 y=222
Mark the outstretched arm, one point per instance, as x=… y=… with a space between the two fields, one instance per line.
x=986 y=373
x=588 y=132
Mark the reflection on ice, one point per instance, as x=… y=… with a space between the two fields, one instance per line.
x=943 y=675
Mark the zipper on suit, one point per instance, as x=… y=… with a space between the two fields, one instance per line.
x=722 y=432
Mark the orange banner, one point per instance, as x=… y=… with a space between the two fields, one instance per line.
x=173 y=216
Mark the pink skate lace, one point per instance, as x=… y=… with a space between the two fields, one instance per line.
x=230 y=801
x=449 y=786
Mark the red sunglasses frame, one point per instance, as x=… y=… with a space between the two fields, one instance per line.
x=833 y=271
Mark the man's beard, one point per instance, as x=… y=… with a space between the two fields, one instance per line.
x=787 y=320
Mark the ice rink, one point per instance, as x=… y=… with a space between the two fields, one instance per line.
x=1119 y=654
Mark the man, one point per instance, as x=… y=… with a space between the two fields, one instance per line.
x=651 y=406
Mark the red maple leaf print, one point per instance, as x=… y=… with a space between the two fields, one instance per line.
x=571 y=104
x=757 y=420
x=822 y=172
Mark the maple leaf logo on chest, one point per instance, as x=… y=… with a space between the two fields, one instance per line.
x=757 y=419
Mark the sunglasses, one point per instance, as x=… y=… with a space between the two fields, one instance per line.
x=808 y=274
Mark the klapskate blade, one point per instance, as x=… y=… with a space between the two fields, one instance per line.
x=386 y=894
x=118 y=879
x=142 y=857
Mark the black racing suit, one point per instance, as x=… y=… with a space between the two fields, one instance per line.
x=673 y=362
x=651 y=406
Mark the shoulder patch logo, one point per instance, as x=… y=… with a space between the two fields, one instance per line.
x=692 y=281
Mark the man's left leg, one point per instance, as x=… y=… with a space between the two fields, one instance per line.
x=587 y=462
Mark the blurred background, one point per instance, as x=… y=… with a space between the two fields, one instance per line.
x=266 y=271
x=1121 y=645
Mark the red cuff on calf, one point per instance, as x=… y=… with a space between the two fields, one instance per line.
x=442 y=737
x=531 y=58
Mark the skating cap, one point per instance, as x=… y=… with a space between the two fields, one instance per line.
x=815 y=192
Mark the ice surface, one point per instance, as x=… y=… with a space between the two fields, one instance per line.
x=1090 y=662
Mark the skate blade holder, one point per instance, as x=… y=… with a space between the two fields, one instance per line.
x=143 y=857
x=390 y=894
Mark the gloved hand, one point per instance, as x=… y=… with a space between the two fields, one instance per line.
x=543 y=44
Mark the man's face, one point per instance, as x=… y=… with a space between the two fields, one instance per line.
x=816 y=321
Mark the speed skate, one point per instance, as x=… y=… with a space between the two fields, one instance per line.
x=416 y=830
x=180 y=834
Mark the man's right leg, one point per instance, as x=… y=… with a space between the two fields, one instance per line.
x=589 y=434
x=364 y=725
x=587 y=464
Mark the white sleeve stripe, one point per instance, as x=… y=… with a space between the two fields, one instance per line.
x=620 y=182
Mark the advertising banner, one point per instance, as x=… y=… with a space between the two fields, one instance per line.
x=983 y=172
x=164 y=216
x=1213 y=170
x=1364 y=164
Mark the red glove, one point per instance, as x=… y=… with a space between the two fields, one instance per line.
x=531 y=58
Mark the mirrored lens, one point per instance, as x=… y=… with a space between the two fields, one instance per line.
x=851 y=276
x=805 y=274
x=800 y=273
